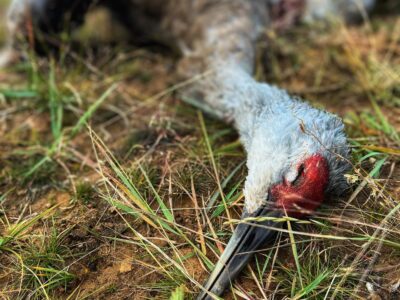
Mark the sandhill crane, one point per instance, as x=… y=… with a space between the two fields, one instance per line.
x=296 y=154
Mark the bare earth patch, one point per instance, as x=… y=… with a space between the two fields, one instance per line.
x=105 y=174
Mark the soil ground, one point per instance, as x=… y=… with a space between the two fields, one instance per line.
x=89 y=137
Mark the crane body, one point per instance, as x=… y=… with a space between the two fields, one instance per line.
x=296 y=154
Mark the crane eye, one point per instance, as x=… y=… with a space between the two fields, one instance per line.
x=299 y=176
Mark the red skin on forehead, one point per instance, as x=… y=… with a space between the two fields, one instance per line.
x=308 y=192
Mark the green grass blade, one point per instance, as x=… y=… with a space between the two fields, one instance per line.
x=18 y=94
x=16 y=230
x=226 y=181
x=312 y=286
x=86 y=116
x=165 y=210
x=295 y=254
x=178 y=293
x=230 y=199
x=37 y=166
x=377 y=167
x=55 y=105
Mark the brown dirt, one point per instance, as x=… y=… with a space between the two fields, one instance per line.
x=105 y=268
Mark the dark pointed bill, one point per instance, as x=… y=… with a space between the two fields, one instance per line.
x=247 y=238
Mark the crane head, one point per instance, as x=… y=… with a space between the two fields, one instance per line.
x=296 y=157
x=304 y=193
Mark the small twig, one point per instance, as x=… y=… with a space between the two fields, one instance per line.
x=196 y=209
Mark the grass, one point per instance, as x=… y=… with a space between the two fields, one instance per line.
x=112 y=188
x=38 y=258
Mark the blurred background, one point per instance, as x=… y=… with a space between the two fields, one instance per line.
x=104 y=171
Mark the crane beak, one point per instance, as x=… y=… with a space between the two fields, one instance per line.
x=247 y=238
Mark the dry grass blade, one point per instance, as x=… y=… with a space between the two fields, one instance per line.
x=143 y=211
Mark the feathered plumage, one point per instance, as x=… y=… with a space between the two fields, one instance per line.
x=296 y=154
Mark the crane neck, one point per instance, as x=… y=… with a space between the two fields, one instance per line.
x=237 y=97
